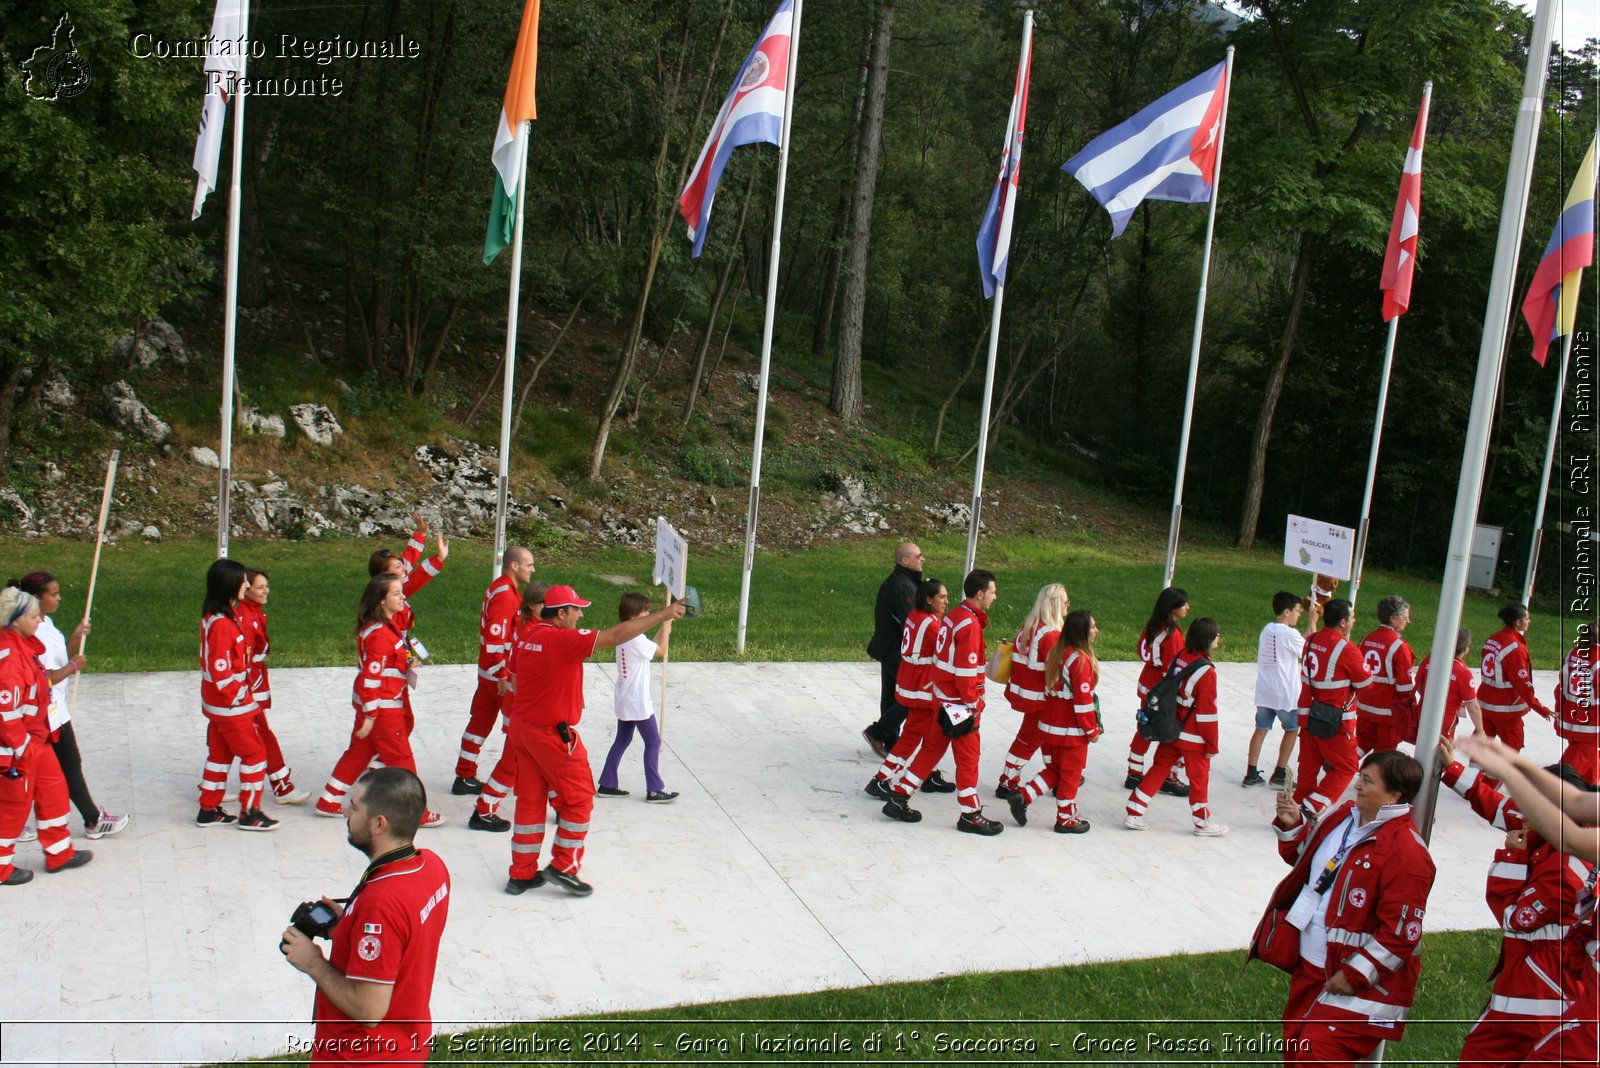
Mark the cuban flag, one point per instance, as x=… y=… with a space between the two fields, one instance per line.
x=994 y=233
x=224 y=64
x=1168 y=151
x=1400 y=257
x=752 y=114
x=1551 y=307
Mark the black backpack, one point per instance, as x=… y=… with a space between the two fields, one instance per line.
x=1158 y=715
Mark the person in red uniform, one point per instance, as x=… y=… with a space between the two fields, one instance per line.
x=1577 y=711
x=1196 y=743
x=252 y=616
x=1462 y=695
x=30 y=776
x=486 y=810
x=1025 y=689
x=381 y=728
x=911 y=685
x=1355 y=901
x=415 y=573
x=375 y=985
x=1068 y=723
x=957 y=686
x=1159 y=642
x=1331 y=671
x=1505 y=687
x=496 y=625
x=1385 y=705
x=228 y=704
x=552 y=764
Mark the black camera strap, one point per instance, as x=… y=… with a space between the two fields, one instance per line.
x=394 y=856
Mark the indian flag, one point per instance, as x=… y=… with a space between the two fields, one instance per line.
x=509 y=140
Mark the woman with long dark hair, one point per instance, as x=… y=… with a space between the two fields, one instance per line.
x=917 y=639
x=1197 y=738
x=252 y=616
x=1160 y=642
x=1068 y=723
x=229 y=707
x=1505 y=692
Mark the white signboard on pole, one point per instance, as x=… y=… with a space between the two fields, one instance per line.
x=672 y=558
x=1318 y=547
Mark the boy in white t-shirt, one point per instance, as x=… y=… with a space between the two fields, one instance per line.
x=1277 y=686
x=634 y=709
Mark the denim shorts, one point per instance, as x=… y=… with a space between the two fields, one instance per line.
x=1286 y=716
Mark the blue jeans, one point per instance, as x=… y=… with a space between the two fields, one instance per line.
x=652 y=753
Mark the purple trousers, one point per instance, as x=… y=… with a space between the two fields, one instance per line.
x=652 y=753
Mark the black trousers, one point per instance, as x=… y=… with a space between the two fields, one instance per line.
x=66 y=747
x=891 y=714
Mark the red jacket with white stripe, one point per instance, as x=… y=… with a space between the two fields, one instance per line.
x=224 y=668
x=1069 y=708
x=16 y=698
x=1197 y=700
x=417 y=576
x=960 y=658
x=1331 y=671
x=911 y=679
x=252 y=620
x=381 y=677
x=1577 y=714
x=1158 y=656
x=497 y=625
x=1534 y=894
x=1505 y=686
x=1390 y=662
x=1492 y=806
x=1025 y=691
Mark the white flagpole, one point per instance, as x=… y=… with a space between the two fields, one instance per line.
x=230 y=299
x=766 y=332
x=1199 y=328
x=504 y=482
x=1549 y=460
x=994 y=323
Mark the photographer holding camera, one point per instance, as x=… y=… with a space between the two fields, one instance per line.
x=374 y=985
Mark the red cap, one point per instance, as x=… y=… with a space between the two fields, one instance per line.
x=563 y=597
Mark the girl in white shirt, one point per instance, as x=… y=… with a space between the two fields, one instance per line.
x=634 y=709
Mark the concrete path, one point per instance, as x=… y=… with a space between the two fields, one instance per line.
x=772 y=873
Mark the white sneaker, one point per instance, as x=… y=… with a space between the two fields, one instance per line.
x=1135 y=823
x=1211 y=830
x=296 y=796
x=230 y=798
x=28 y=835
x=106 y=824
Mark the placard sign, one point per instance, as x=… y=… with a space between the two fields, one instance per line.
x=672 y=558
x=1318 y=547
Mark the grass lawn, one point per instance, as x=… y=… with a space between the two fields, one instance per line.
x=813 y=604
x=1183 y=1009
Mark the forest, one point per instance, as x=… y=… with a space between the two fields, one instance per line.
x=373 y=198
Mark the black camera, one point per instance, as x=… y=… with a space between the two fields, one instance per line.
x=314 y=919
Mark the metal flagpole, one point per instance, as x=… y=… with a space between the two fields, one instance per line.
x=1549 y=460
x=230 y=299
x=994 y=330
x=1199 y=327
x=504 y=483
x=1491 y=357
x=766 y=332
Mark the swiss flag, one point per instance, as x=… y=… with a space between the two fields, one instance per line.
x=1400 y=258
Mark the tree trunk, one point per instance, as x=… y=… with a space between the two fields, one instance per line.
x=437 y=348
x=11 y=392
x=846 y=400
x=955 y=391
x=1255 y=481
x=703 y=347
x=533 y=376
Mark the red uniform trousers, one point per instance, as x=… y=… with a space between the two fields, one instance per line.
x=480 y=721
x=1062 y=775
x=1583 y=755
x=1313 y=1034
x=1027 y=742
x=1506 y=727
x=1139 y=754
x=1315 y=787
x=1377 y=732
x=549 y=774
x=501 y=781
x=277 y=767
x=1573 y=1040
x=1166 y=758
x=913 y=735
x=389 y=741
x=934 y=747
x=1500 y=1038
x=41 y=789
x=230 y=738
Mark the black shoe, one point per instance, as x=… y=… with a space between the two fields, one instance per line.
x=1019 y=808
x=517 y=886
x=1131 y=782
x=937 y=784
x=78 y=860
x=17 y=877
x=899 y=808
x=1004 y=793
x=610 y=791
x=1253 y=778
x=1175 y=788
x=256 y=820
x=1278 y=778
x=978 y=823
x=876 y=743
x=568 y=881
x=491 y=823
x=661 y=797
x=466 y=787
x=214 y=817
x=1075 y=827
x=875 y=788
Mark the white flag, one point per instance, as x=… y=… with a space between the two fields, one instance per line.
x=225 y=52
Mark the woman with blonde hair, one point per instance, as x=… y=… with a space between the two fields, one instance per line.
x=1026 y=690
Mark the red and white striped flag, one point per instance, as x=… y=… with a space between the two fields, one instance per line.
x=1400 y=258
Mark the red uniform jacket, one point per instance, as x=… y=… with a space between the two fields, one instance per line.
x=1331 y=670
x=1197 y=698
x=381 y=675
x=1534 y=894
x=1069 y=708
x=1497 y=809
x=1460 y=692
x=16 y=697
x=416 y=577
x=252 y=619
x=1025 y=691
x=960 y=658
x=916 y=660
x=497 y=626
x=1158 y=656
x=224 y=668
x=1506 y=685
x=1576 y=718
x=1390 y=662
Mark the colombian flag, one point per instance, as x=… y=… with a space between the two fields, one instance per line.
x=1551 y=307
